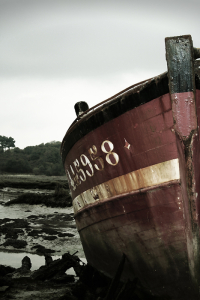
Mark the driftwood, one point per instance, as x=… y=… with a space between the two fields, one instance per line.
x=92 y=285
x=59 y=266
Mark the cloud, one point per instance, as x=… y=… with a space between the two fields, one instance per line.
x=55 y=53
x=38 y=111
x=65 y=38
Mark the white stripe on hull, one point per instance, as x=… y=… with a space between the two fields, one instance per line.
x=143 y=178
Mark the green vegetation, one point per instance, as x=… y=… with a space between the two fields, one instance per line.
x=43 y=159
x=6 y=142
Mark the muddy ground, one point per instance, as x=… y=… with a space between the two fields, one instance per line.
x=30 y=225
x=54 y=229
x=53 y=232
x=31 y=181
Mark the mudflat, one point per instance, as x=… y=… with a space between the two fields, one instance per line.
x=31 y=181
x=29 y=227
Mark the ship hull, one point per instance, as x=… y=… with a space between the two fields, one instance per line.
x=151 y=236
x=135 y=184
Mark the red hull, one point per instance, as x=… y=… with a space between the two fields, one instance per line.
x=151 y=235
x=134 y=183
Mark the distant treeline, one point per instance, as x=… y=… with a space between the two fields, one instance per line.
x=43 y=159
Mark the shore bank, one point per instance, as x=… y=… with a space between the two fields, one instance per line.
x=36 y=228
x=32 y=181
x=53 y=280
x=47 y=232
x=29 y=226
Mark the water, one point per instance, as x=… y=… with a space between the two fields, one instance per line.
x=19 y=211
x=22 y=211
x=14 y=259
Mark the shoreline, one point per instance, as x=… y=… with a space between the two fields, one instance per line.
x=33 y=230
x=51 y=228
x=31 y=181
x=48 y=232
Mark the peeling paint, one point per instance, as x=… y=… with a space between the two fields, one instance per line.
x=142 y=178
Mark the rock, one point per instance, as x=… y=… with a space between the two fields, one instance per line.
x=49 y=238
x=54 y=200
x=72 y=226
x=12 y=233
x=63 y=279
x=5 y=220
x=41 y=249
x=17 y=223
x=4 y=270
x=32 y=217
x=48 y=259
x=5 y=281
x=34 y=232
x=62 y=234
x=4 y=288
x=66 y=234
x=26 y=264
x=50 y=231
x=15 y=243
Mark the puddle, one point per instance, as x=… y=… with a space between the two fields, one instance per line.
x=19 y=211
x=8 y=190
x=22 y=211
x=14 y=259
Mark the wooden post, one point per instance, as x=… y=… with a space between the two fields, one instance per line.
x=181 y=79
x=180 y=61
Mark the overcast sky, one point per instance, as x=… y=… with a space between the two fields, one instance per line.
x=56 y=53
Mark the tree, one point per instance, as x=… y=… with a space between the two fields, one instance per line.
x=43 y=159
x=17 y=166
x=6 y=142
x=2 y=142
x=10 y=142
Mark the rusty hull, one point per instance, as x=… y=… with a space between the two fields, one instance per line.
x=133 y=170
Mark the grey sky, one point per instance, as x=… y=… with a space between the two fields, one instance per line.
x=55 y=53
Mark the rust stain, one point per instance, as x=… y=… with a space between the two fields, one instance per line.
x=184 y=112
x=133 y=181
